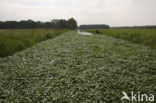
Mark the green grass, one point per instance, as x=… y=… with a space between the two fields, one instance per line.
x=15 y=40
x=74 y=68
x=143 y=36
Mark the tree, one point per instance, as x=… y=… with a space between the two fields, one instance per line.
x=72 y=24
x=30 y=24
x=95 y=26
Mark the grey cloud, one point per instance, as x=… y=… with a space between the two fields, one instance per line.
x=112 y=12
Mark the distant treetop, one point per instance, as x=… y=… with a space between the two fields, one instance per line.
x=94 y=26
x=27 y=24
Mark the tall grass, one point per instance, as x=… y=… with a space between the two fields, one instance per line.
x=143 y=36
x=13 y=40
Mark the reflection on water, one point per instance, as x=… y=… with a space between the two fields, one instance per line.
x=84 y=33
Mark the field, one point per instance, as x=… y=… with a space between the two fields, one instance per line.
x=142 y=36
x=74 y=68
x=14 y=40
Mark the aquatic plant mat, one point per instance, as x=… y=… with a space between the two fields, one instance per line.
x=73 y=68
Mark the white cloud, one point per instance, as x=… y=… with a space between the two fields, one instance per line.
x=112 y=12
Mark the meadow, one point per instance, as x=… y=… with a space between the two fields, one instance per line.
x=74 y=68
x=143 y=36
x=14 y=40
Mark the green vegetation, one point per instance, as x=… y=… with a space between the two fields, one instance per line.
x=136 y=27
x=15 y=40
x=74 y=68
x=95 y=26
x=12 y=41
x=29 y=24
x=143 y=36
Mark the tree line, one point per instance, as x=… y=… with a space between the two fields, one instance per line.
x=136 y=27
x=96 y=26
x=29 y=24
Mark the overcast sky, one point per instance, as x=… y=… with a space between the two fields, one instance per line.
x=111 y=12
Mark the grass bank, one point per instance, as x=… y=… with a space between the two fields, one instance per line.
x=13 y=40
x=143 y=36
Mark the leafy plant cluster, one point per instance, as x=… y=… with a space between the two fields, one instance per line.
x=74 y=68
x=142 y=36
x=12 y=40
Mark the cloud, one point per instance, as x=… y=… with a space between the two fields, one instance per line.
x=112 y=12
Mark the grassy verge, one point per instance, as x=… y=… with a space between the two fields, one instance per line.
x=74 y=68
x=143 y=36
x=15 y=40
